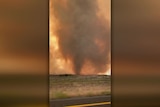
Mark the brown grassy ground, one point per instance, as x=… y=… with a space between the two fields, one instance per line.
x=73 y=86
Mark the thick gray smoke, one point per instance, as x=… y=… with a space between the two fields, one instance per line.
x=83 y=36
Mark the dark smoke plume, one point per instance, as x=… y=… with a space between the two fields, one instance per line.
x=83 y=36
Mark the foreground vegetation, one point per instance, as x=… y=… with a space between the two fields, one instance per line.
x=65 y=86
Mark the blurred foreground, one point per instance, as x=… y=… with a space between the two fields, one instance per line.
x=23 y=53
x=23 y=90
x=135 y=53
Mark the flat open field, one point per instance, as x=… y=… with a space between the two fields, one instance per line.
x=65 y=86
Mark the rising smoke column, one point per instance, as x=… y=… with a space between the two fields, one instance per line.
x=83 y=36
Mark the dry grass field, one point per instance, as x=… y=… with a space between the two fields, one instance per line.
x=65 y=86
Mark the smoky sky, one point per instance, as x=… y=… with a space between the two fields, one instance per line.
x=83 y=35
